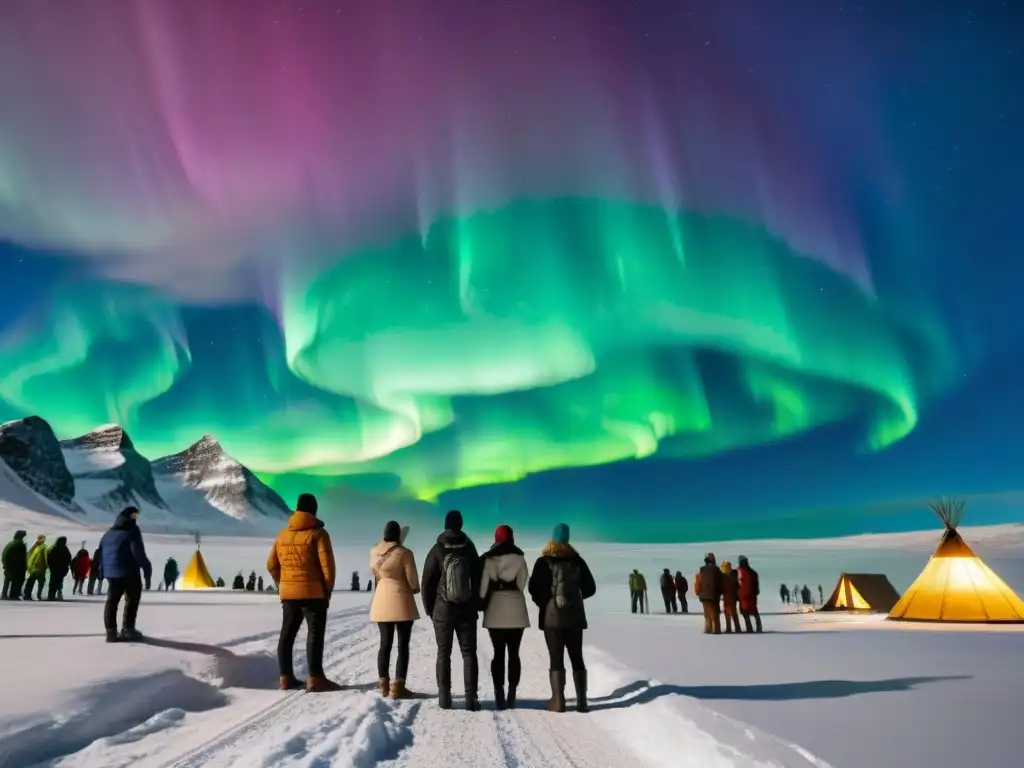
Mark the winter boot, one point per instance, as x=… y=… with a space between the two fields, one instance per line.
x=510 y=698
x=399 y=691
x=321 y=685
x=112 y=636
x=557 y=701
x=498 y=679
x=292 y=683
x=579 y=678
x=472 y=702
x=384 y=684
x=444 y=699
x=131 y=635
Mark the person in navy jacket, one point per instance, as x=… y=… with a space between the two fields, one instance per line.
x=123 y=557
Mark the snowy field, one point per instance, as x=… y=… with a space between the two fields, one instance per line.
x=813 y=690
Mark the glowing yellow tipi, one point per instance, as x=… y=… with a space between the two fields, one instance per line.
x=196 y=576
x=955 y=585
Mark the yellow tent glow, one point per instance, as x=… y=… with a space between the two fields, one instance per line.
x=196 y=576
x=862 y=592
x=955 y=585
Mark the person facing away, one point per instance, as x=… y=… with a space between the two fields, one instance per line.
x=15 y=565
x=301 y=563
x=36 y=568
x=668 y=591
x=681 y=587
x=821 y=595
x=730 y=596
x=750 y=588
x=805 y=593
x=504 y=577
x=170 y=573
x=784 y=594
x=81 y=563
x=259 y=584
x=354 y=585
x=58 y=563
x=96 y=571
x=707 y=585
x=393 y=607
x=124 y=556
x=637 y=587
x=451 y=589
x=560 y=583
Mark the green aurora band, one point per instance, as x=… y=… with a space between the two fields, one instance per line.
x=546 y=334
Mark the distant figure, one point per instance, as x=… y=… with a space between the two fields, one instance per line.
x=355 y=582
x=238 y=582
x=259 y=584
x=730 y=597
x=805 y=593
x=124 y=556
x=502 y=587
x=560 y=584
x=784 y=594
x=681 y=588
x=36 y=568
x=81 y=564
x=58 y=563
x=15 y=565
x=250 y=585
x=96 y=572
x=750 y=588
x=707 y=585
x=393 y=608
x=220 y=582
x=369 y=585
x=301 y=563
x=170 y=573
x=795 y=594
x=637 y=588
x=668 y=591
x=821 y=595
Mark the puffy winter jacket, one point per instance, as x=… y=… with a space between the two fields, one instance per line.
x=37 y=559
x=80 y=565
x=438 y=609
x=503 y=583
x=730 y=584
x=750 y=588
x=708 y=583
x=122 y=552
x=301 y=562
x=15 y=556
x=542 y=588
x=58 y=558
x=637 y=582
x=394 y=570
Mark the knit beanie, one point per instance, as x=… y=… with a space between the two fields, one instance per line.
x=307 y=503
x=453 y=521
x=561 y=534
x=503 y=535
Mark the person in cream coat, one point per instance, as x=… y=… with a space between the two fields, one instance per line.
x=505 y=576
x=393 y=608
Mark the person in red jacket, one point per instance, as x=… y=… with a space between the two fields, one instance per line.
x=80 y=565
x=750 y=588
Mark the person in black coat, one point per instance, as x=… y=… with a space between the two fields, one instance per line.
x=123 y=557
x=560 y=582
x=58 y=562
x=96 y=571
x=451 y=588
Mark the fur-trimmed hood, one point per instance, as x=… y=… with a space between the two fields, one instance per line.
x=555 y=549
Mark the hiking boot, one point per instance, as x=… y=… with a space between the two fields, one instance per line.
x=499 y=698
x=291 y=683
x=579 y=679
x=444 y=699
x=399 y=691
x=384 y=684
x=131 y=635
x=112 y=636
x=510 y=698
x=321 y=685
x=472 y=703
x=557 y=701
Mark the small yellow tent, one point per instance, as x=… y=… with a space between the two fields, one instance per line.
x=196 y=576
x=862 y=592
x=955 y=585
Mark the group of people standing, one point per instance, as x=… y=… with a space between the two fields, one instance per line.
x=27 y=570
x=457 y=584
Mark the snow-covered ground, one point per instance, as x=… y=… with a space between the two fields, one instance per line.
x=850 y=691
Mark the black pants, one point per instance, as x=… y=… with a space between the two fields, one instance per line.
x=388 y=630
x=683 y=607
x=37 y=583
x=78 y=587
x=93 y=578
x=169 y=585
x=131 y=590
x=560 y=642
x=636 y=600
x=752 y=614
x=12 y=586
x=670 y=602
x=506 y=641
x=56 y=589
x=293 y=613
x=465 y=631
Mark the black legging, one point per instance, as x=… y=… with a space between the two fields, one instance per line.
x=388 y=630
x=131 y=590
x=560 y=642
x=506 y=640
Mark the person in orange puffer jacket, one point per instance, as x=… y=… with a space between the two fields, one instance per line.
x=301 y=563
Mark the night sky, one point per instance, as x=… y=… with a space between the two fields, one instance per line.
x=665 y=270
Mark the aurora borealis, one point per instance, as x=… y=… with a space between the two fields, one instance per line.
x=527 y=258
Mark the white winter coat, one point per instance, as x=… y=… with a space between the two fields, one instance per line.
x=507 y=607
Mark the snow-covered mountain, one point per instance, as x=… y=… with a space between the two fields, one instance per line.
x=226 y=484
x=30 y=449
x=109 y=472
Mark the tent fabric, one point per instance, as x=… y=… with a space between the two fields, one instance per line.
x=862 y=592
x=196 y=576
x=956 y=586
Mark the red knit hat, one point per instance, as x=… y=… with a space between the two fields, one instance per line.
x=503 y=535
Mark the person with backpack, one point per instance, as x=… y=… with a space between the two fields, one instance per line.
x=681 y=587
x=668 y=591
x=750 y=588
x=560 y=584
x=393 y=608
x=504 y=578
x=707 y=585
x=124 y=557
x=451 y=598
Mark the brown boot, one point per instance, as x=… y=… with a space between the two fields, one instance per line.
x=557 y=701
x=384 y=684
x=399 y=691
x=291 y=683
x=321 y=685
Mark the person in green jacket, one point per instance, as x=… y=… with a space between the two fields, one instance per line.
x=15 y=563
x=637 y=590
x=36 y=568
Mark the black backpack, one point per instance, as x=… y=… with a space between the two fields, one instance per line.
x=566 y=589
x=456 y=575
